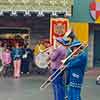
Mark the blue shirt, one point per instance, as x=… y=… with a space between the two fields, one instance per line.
x=16 y=53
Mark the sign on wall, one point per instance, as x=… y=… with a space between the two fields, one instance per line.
x=37 y=5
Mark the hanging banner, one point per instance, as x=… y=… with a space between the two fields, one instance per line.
x=58 y=28
x=37 y=5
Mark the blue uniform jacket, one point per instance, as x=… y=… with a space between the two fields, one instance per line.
x=76 y=66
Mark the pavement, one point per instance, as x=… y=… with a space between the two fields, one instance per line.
x=27 y=88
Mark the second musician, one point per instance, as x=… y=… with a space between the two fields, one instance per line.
x=56 y=56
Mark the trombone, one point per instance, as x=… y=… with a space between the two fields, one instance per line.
x=61 y=69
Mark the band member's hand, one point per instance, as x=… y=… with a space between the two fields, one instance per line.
x=49 y=78
x=49 y=51
x=48 y=59
x=62 y=67
x=49 y=66
x=52 y=48
x=62 y=61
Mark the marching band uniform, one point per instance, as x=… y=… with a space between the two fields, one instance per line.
x=66 y=78
x=70 y=37
x=56 y=56
x=77 y=66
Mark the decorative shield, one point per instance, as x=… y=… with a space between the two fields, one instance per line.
x=41 y=60
x=95 y=9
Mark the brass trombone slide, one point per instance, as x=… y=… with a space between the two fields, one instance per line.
x=45 y=50
x=54 y=76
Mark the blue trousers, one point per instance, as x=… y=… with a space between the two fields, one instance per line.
x=66 y=91
x=25 y=66
x=67 y=82
x=74 y=93
x=58 y=88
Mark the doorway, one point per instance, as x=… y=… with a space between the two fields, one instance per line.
x=97 y=48
x=11 y=35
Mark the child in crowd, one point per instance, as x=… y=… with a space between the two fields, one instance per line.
x=6 y=59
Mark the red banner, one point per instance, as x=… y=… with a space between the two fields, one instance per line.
x=58 y=28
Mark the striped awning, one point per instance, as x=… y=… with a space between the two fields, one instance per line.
x=37 y=6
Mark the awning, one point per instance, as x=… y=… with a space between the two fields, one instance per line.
x=27 y=6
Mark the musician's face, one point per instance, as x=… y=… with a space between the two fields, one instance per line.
x=69 y=39
x=57 y=43
x=76 y=51
x=66 y=47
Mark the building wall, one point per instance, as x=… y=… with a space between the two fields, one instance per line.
x=81 y=31
x=81 y=12
x=80 y=23
x=39 y=26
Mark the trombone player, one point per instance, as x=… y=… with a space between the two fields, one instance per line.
x=56 y=57
x=69 y=36
x=76 y=65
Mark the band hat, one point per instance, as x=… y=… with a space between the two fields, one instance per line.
x=62 y=41
x=67 y=33
x=75 y=43
x=66 y=42
x=70 y=34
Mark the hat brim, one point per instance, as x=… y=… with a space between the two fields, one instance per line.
x=63 y=42
x=66 y=44
x=59 y=40
x=75 y=45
